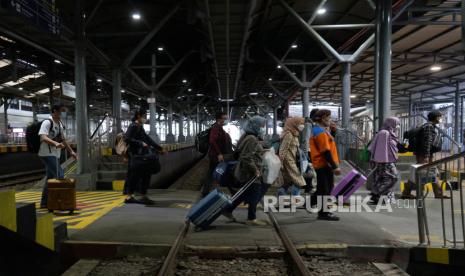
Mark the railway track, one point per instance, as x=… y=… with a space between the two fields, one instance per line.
x=20 y=178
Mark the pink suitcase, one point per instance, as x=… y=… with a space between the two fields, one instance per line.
x=348 y=185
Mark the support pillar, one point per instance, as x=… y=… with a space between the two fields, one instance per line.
x=457 y=113
x=275 y=124
x=170 y=137
x=35 y=106
x=188 y=134
x=83 y=163
x=152 y=104
x=198 y=120
x=181 y=137
x=116 y=104
x=384 y=30
x=410 y=110
x=6 y=103
x=345 y=76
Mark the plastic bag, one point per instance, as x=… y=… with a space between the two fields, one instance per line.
x=271 y=167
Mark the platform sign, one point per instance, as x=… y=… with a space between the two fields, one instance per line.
x=68 y=90
x=40 y=12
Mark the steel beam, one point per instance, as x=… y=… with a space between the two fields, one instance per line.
x=212 y=46
x=245 y=37
x=342 y=26
x=149 y=37
x=116 y=103
x=457 y=113
x=284 y=67
x=311 y=31
x=345 y=76
x=93 y=12
x=174 y=69
x=83 y=163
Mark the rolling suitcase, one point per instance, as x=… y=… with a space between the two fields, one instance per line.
x=348 y=185
x=61 y=194
x=209 y=208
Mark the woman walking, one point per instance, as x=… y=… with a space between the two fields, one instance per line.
x=250 y=153
x=139 y=143
x=384 y=149
x=288 y=153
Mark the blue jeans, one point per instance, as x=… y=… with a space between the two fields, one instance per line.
x=294 y=189
x=51 y=163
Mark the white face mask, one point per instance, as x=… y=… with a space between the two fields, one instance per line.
x=301 y=127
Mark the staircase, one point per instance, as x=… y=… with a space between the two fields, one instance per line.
x=30 y=240
x=111 y=171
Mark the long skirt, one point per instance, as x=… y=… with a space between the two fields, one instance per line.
x=385 y=179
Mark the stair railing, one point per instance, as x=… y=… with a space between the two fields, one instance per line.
x=350 y=147
x=448 y=217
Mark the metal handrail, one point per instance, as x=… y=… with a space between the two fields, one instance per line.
x=423 y=227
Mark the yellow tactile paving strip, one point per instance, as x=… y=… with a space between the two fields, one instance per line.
x=91 y=206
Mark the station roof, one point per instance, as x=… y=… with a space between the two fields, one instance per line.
x=210 y=52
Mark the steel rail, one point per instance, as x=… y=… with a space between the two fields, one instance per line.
x=290 y=247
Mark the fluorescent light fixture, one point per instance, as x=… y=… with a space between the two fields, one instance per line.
x=321 y=11
x=184 y=81
x=98 y=89
x=353 y=96
x=4 y=62
x=200 y=95
x=435 y=68
x=253 y=94
x=189 y=90
x=57 y=61
x=279 y=66
x=44 y=105
x=160 y=49
x=99 y=80
x=20 y=88
x=368 y=101
x=122 y=91
x=330 y=103
x=136 y=16
x=226 y=100
x=270 y=79
x=24 y=79
x=91 y=105
x=294 y=46
x=140 y=99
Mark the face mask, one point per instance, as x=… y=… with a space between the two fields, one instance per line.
x=301 y=127
x=63 y=114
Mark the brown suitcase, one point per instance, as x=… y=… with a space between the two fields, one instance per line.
x=61 y=195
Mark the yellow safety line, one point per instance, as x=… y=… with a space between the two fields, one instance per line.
x=97 y=215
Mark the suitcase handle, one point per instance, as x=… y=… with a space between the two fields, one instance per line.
x=244 y=188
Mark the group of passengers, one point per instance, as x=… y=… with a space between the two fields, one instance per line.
x=323 y=155
x=250 y=150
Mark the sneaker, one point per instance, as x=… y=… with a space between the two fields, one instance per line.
x=328 y=216
x=229 y=216
x=147 y=201
x=255 y=222
x=131 y=200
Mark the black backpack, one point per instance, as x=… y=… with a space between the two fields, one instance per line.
x=202 y=141
x=415 y=138
x=32 y=136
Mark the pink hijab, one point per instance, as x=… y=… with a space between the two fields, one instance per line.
x=383 y=148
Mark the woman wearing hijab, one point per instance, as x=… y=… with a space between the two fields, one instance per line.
x=250 y=153
x=288 y=151
x=384 y=149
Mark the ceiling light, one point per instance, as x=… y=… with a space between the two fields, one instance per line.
x=353 y=96
x=190 y=89
x=294 y=46
x=140 y=99
x=199 y=95
x=279 y=66
x=136 y=16
x=184 y=81
x=122 y=91
x=368 y=101
x=57 y=61
x=99 y=80
x=270 y=79
x=160 y=49
x=435 y=68
x=91 y=105
x=253 y=94
x=20 y=88
x=98 y=89
x=321 y=11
